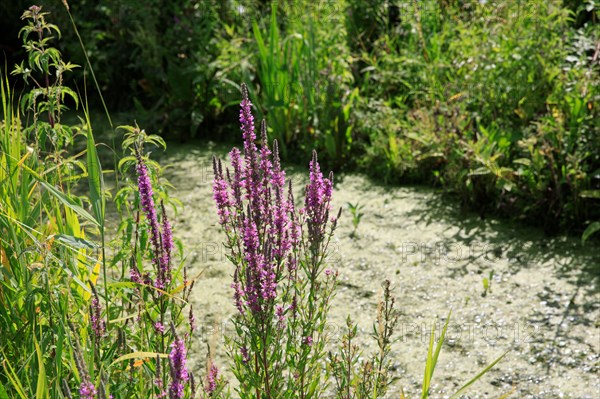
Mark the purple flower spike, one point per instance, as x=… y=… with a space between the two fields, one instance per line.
x=147 y=201
x=317 y=202
x=179 y=371
x=98 y=324
x=167 y=246
x=245 y=355
x=264 y=229
x=220 y=192
x=247 y=119
x=162 y=242
x=211 y=379
x=87 y=390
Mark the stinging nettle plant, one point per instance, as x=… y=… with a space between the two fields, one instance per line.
x=45 y=69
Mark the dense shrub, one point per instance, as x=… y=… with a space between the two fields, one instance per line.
x=494 y=101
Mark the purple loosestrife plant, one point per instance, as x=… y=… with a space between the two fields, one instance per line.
x=278 y=254
x=160 y=293
x=179 y=371
x=162 y=240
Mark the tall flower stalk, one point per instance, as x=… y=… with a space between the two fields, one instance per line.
x=160 y=298
x=278 y=253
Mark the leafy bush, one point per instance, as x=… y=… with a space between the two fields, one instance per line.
x=495 y=102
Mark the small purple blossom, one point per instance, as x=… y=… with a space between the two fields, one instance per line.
x=280 y=314
x=308 y=341
x=179 y=371
x=134 y=275
x=245 y=355
x=87 y=390
x=159 y=327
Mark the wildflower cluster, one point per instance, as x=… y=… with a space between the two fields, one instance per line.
x=278 y=253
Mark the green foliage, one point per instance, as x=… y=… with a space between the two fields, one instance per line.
x=44 y=68
x=57 y=337
x=355 y=211
x=497 y=103
x=153 y=57
x=306 y=93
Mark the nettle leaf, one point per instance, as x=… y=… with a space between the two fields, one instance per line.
x=67 y=91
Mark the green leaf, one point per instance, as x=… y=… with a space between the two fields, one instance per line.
x=591 y=229
x=95 y=179
x=590 y=194
x=68 y=202
x=76 y=242
x=478 y=376
x=3 y=394
x=41 y=391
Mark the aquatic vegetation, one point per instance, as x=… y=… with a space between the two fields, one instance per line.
x=95 y=303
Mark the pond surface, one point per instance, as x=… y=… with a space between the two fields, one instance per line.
x=541 y=303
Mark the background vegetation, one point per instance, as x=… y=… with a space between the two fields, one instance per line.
x=496 y=102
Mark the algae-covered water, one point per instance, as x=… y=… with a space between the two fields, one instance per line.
x=541 y=303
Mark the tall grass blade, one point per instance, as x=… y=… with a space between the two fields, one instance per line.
x=41 y=391
x=66 y=201
x=478 y=376
x=10 y=373
x=433 y=358
x=95 y=179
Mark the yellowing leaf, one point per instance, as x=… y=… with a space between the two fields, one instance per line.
x=4 y=259
x=93 y=277
x=139 y=362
